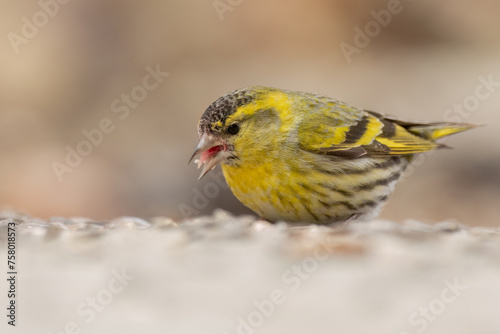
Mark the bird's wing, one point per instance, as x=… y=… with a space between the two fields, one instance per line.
x=353 y=133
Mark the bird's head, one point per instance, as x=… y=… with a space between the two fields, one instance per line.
x=239 y=126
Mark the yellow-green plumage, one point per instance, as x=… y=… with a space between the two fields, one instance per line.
x=303 y=157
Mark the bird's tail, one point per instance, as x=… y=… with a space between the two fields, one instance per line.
x=430 y=131
x=434 y=131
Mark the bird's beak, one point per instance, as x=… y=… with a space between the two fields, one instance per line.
x=212 y=150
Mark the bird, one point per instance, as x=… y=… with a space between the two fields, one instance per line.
x=306 y=158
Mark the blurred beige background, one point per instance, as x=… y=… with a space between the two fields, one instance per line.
x=67 y=75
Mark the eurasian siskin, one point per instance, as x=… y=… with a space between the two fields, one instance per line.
x=302 y=157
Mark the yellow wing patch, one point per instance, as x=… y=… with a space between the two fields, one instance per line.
x=404 y=142
x=370 y=131
x=368 y=135
x=320 y=134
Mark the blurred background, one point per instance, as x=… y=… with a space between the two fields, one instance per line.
x=85 y=67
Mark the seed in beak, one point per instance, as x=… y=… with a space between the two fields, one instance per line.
x=212 y=152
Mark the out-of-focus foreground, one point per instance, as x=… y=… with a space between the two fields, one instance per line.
x=99 y=99
x=227 y=275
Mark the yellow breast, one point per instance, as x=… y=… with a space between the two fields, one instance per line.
x=312 y=189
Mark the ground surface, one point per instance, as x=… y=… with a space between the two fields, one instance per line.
x=221 y=274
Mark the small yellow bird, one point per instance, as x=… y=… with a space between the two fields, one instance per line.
x=302 y=157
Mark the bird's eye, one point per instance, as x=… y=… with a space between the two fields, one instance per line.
x=233 y=129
